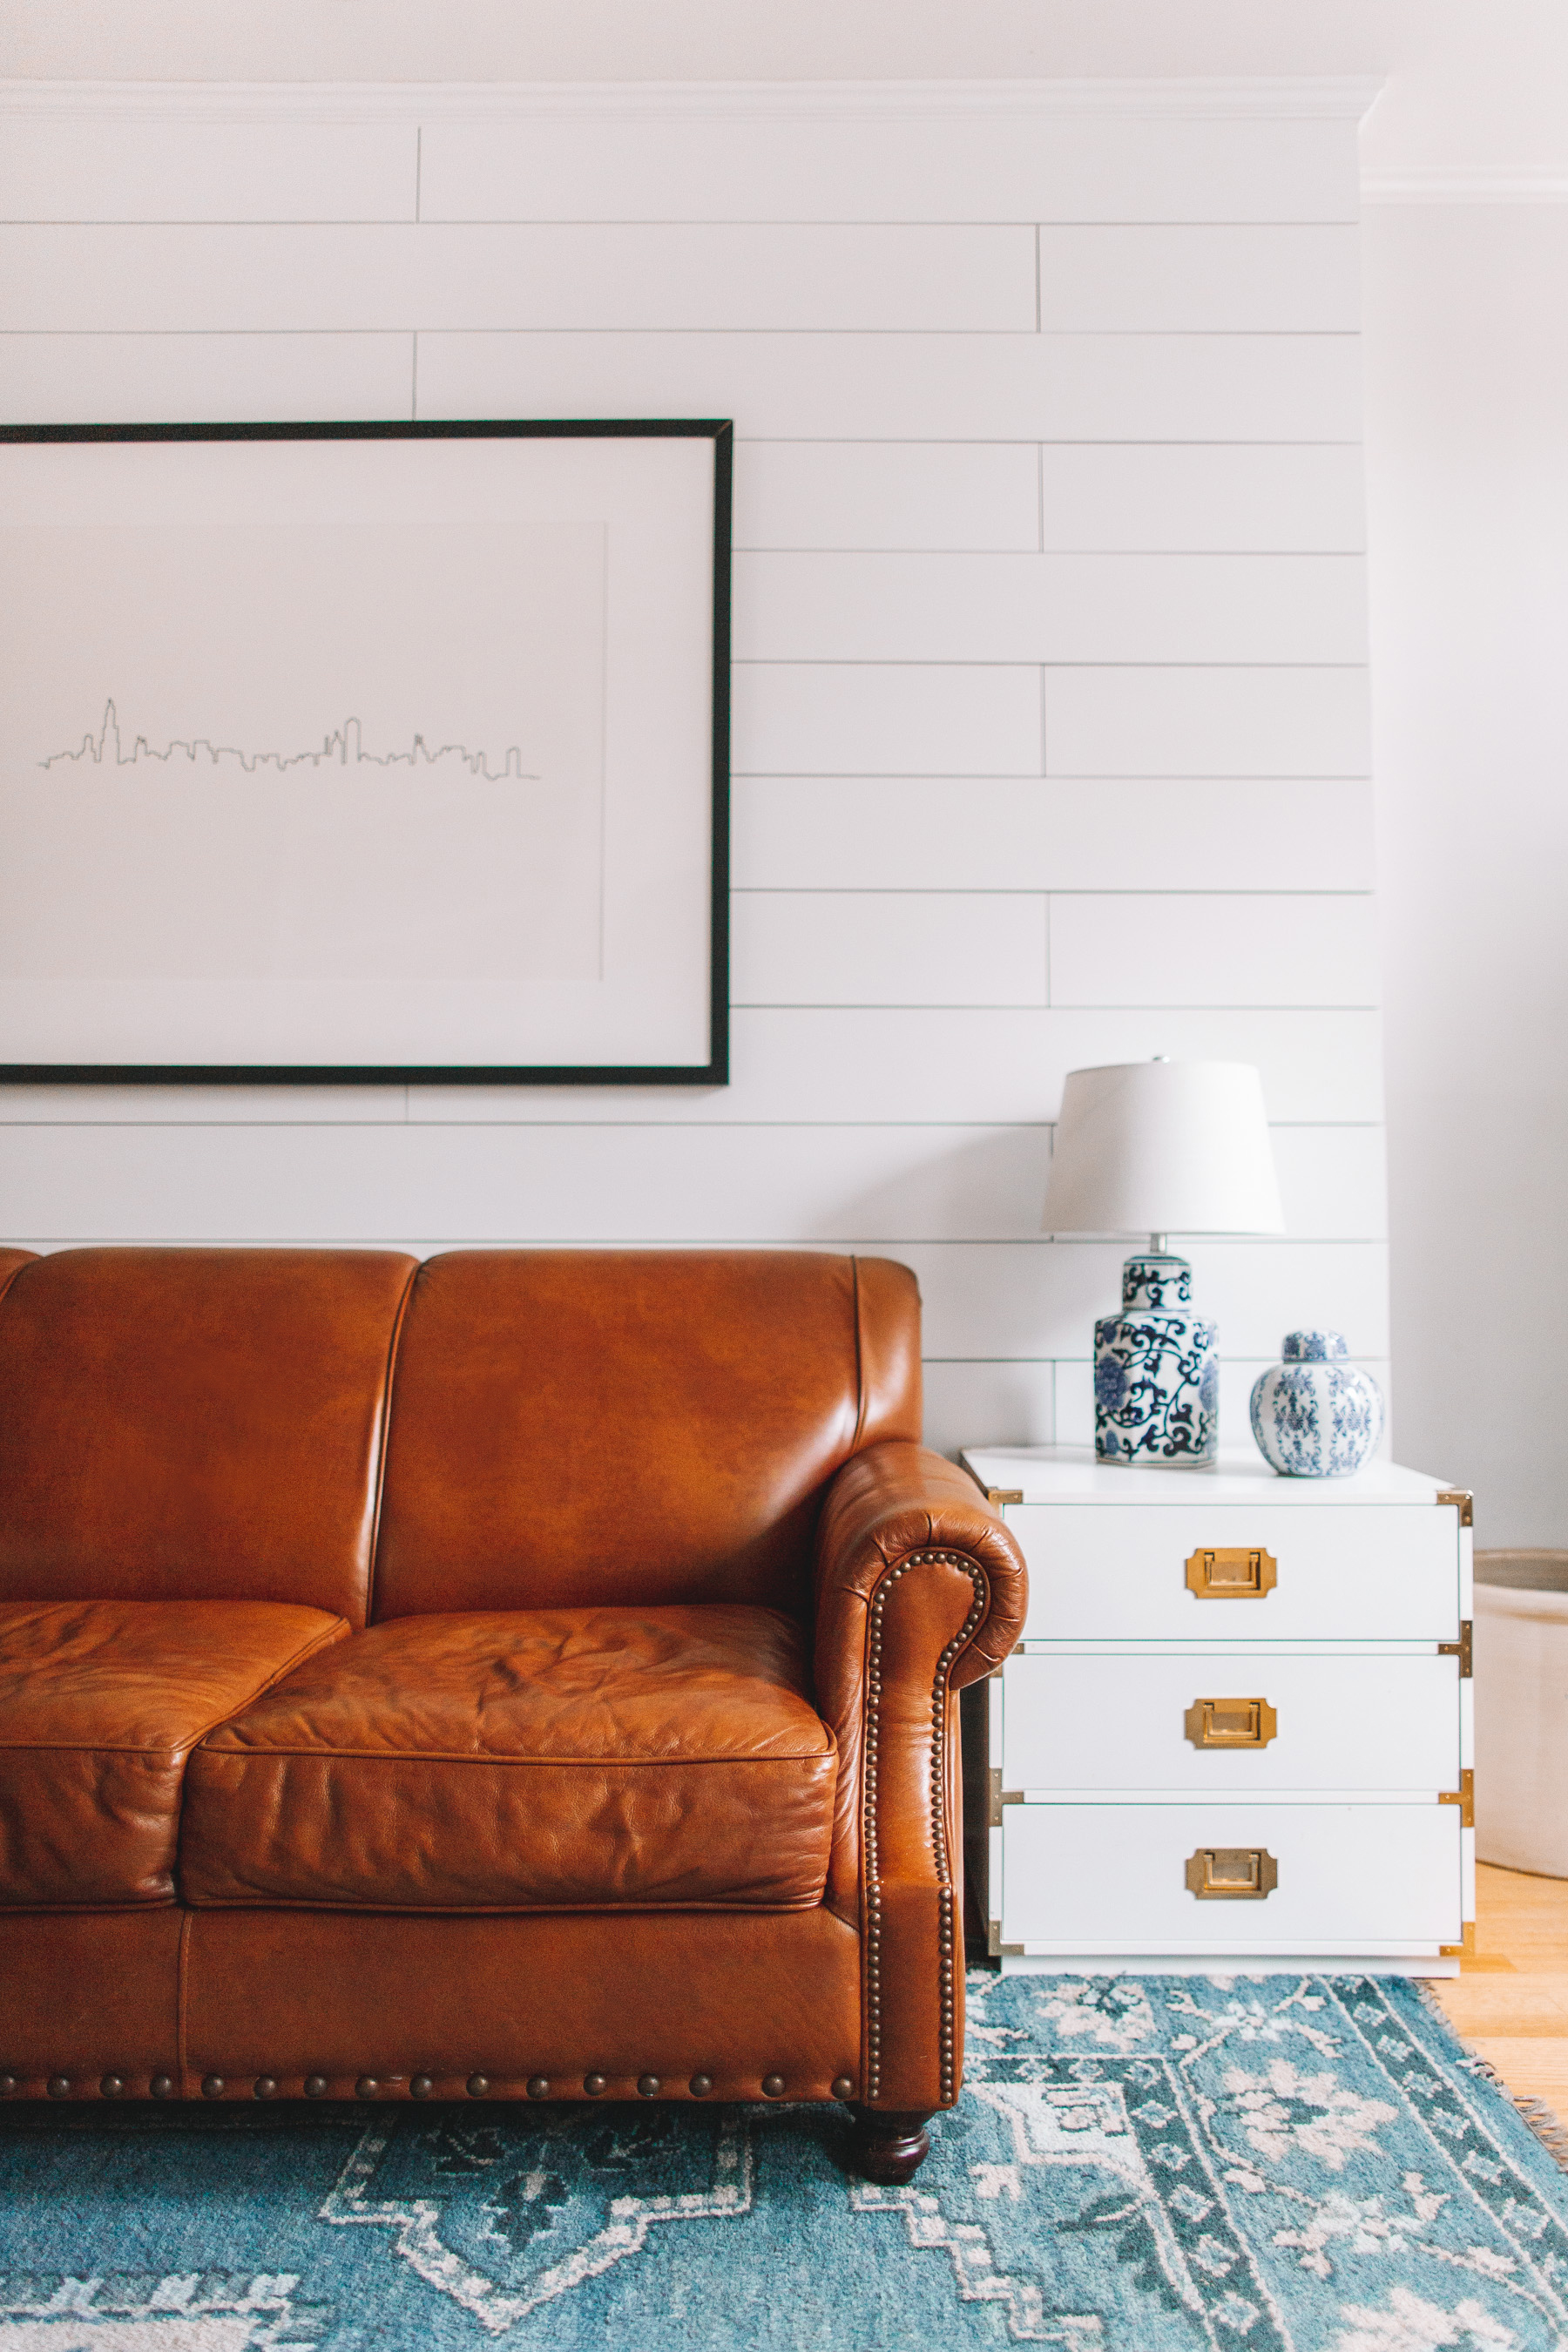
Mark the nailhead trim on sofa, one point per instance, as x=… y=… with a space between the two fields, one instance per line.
x=949 y=1926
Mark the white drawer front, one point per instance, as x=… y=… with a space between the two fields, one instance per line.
x=1112 y=1878
x=1341 y=1722
x=1345 y=1573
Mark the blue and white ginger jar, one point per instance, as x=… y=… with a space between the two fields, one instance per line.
x=1315 y=1415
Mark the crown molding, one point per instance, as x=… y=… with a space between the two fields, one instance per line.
x=1308 y=98
x=1304 y=98
x=1472 y=183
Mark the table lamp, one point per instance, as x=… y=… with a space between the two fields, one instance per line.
x=1158 y=1147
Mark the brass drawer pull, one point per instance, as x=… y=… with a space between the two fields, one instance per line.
x=1232 y=1874
x=1231 y=1723
x=1232 y=1572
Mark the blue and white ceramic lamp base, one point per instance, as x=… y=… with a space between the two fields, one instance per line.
x=1156 y=1370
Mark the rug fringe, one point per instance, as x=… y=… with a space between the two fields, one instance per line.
x=1543 y=2118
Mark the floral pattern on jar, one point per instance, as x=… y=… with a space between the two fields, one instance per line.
x=1314 y=1414
x=1156 y=1372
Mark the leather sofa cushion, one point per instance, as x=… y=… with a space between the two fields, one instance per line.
x=100 y=1703
x=201 y=1423
x=633 y=1428
x=516 y=1760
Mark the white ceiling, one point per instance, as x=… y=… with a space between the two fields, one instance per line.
x=1472 y=85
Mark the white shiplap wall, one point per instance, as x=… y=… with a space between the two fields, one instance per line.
x=1051 y=735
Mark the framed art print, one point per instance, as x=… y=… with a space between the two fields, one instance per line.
x=381 y=751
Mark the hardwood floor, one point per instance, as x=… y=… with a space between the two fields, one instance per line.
x=1510 y=2000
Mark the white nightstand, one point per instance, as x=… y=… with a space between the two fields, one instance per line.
x=1237 y=1730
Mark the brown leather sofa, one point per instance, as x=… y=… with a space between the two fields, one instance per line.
x=525 y=1675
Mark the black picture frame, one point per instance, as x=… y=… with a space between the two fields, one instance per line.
x=712 y=1072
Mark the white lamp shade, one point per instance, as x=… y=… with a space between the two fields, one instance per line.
x=1164 y=1147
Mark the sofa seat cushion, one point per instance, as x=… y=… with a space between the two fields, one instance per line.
x=526 y=1760
x=100 y=1703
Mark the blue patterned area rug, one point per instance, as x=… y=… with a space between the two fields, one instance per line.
x=1139 y=2164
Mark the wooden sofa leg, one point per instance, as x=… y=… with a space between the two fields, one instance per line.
x=889 y=2145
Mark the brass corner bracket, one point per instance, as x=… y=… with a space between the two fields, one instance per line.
x=1464 y=1499
x=1463 y=1649
x=1464 y=1796
x=998 y=1796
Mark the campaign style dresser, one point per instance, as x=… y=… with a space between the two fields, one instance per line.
x=1237 y=1730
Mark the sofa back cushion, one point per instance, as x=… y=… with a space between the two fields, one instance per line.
x=195 y=1424
x=580 y=1428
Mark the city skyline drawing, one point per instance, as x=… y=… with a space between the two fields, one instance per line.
x=341 y=747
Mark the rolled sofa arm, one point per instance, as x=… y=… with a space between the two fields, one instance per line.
x=920 y=1590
